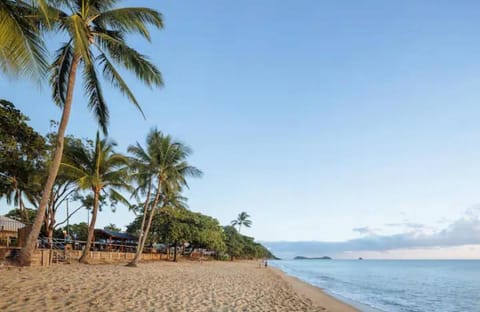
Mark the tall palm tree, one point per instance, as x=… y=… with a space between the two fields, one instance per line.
x=95 y=31
x=164 y=171
x=100 y=170
x=242 y=219
x=22 y=50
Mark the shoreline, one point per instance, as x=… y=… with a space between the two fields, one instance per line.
x=316 y=295
x=161 y=286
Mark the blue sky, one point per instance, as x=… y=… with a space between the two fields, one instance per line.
x=315 y=117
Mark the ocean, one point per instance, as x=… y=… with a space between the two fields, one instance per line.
x=394 y=285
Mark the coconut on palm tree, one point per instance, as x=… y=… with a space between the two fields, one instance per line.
x=100 y=170
x=242 y=219
x=94 y=33
x=163 y=170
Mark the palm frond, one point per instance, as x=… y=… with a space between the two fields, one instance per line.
x=80 y=36
x=70 y=170
x=101 y=5
x=130 y=20
x=130 y=59
x=61 y=73
x=116 y=196
x=93 y=91
x=114 y=77
x=22 y=50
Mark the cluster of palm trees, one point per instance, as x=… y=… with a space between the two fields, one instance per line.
x=154 y=175
x=93 y=35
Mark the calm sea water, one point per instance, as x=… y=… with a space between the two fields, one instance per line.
x=395 y=285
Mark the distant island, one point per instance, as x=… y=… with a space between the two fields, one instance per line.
x=312 y=258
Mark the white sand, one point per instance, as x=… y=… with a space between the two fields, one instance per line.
x=159 y=286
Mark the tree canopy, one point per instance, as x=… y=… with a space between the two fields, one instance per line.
x=241 y=246
x=179 y=225
x=22 y=153
x=112 y=227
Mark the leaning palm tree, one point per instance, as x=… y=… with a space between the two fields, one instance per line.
x=95 y=32
x=164 y=162
x=100 y=170
x=242 y=219
x=22 y=50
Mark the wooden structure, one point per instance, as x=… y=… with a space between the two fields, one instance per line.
x=107 y=240
x=45 y=257
x=9 y=231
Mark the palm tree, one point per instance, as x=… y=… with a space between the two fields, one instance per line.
x=242 y=219
x=163 y=170
x=95 y=32
x=22 y=50
x=99 y=170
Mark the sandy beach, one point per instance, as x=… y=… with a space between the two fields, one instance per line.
x=159 y=286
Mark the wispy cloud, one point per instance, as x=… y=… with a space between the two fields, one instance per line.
x=407 y=224
x=366 y=230
x=463 y=231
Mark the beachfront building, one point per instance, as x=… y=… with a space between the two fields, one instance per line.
x=106 y=240
x=9 y=231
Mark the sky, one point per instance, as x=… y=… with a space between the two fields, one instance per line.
x=339 y=123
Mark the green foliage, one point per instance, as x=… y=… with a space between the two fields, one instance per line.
x=80 y=230
x=95 y=39
x=22 y=156
x=242 y=219
x=160 y=171
x=233 y=241
x=241 y=246
x=17 y=138
x=18 y=215
x=112 y=227
x=98 y=169
x=179 y=225
x=22 y=50
x=162 y=161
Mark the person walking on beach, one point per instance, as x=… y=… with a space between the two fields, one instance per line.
x=266 y=263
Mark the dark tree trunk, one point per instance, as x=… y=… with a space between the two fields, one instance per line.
x=175 y=253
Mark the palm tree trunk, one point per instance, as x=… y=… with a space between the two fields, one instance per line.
x=175 y=253
x=91 y=228
x=49 y=222
x=25 y=212
x=50 y=234
x=26 y=252
x=21 y=206
x=149 y=223
x=142 y=236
